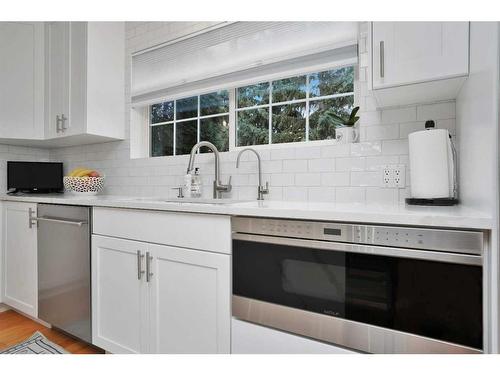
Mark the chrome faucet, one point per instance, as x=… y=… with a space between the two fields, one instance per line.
x=261 y=190
x=218 y=187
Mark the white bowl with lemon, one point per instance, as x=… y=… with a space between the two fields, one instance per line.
x=83 y=181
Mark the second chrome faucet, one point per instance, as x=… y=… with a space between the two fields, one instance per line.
x=261 y=190
x=218 y=188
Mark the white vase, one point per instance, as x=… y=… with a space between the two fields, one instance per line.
x=347 y=134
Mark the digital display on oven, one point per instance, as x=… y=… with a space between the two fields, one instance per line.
x=332 y=231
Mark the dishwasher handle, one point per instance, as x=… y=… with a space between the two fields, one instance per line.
x=60 y=221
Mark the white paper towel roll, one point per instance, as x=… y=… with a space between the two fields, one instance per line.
x=431 y=164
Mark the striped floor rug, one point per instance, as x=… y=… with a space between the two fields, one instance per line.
x=36 y=344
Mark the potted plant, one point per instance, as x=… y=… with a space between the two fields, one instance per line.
x=343 y=125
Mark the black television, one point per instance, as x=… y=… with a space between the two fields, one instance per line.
x=34 y=177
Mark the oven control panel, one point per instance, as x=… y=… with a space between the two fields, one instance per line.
x=463 y=241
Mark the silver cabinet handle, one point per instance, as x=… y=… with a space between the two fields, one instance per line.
x=32 y=220
x=60 y=221
x=58 y=121
x=140 y=271
x=149 y=258
x=382 y=59
x=63 y=122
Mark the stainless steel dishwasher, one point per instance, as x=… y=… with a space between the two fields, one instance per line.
x=64 y=298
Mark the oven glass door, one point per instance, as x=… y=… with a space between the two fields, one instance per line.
x=432 y=299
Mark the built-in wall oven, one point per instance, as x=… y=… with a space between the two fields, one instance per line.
x=376 y=289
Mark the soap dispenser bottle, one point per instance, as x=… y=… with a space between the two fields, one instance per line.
x=196 y=186
x=188 y=178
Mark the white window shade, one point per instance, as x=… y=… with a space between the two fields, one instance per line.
x=239 y=52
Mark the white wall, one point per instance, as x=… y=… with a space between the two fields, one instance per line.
x=477 y=133
x=339 y=173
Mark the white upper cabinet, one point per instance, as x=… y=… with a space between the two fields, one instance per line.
x=57 y=86
x=414 y=62
x=21 y=80
x=85 y=82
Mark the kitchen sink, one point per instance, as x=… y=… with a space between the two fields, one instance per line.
x=193 y=200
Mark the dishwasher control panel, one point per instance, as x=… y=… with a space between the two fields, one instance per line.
x=458 y=241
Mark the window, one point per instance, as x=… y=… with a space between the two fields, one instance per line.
x=279 y=111
x=291 y=109
x=177 y=125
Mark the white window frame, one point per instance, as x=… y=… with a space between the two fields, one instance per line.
x=232 y=94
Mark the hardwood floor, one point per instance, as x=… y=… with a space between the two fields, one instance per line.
x=15 y=328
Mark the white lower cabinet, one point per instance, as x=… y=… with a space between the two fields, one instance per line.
x=189 y=301
x=19 y=243
x=159 y=299
x=119 y=297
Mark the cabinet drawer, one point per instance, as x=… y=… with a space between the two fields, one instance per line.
x=195 y=231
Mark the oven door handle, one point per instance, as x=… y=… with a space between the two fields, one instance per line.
x=397 y=252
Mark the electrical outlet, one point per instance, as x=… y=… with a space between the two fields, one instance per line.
x=399 y=175
x=387 y=176
x=394 y=176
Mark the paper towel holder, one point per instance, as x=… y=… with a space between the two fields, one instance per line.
x=446 y=201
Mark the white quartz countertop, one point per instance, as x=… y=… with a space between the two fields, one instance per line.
x=446 y=217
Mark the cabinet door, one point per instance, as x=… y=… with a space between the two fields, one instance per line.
x=119 y=298
x=20 y=288
x=189 y=301
x=21 y=80
x=78 y=80
x=57 y=78
x=411 y=52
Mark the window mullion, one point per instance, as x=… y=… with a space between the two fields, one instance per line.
x=270 y=112
x=198 y=121
x=174 y=151
x=307 y=108
x=232 y=119
x=149 y=135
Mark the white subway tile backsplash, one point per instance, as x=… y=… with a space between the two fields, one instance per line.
x=366 y=178
x=350 y=195
x=283 y=153
x=335 y=179
x=307 y=179
x=321 y=165
x=307 y=152
x=376 y=162
x=350 y=164
x=282 y=179
x=381 y=195
x=294 y=193
x=395 y=147
x=437 y=111
x=366 y=148
x=409 y=127
x=379 y=132
x=296 y=166
x=391 y=116
x=335 y=150
x=321 y=194
x=370 y=117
